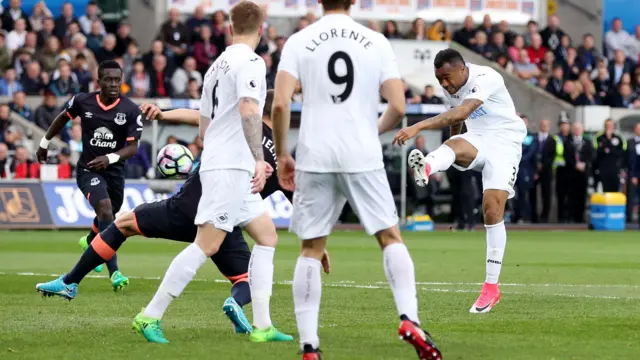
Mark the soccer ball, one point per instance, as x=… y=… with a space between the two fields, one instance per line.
x=175 y=160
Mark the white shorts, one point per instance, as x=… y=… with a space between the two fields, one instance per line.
x=319 y=198
x=498 y=159
x=227 y=200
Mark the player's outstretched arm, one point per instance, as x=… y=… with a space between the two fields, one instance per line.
x=450 y=117
x=55 y=127
x=393 y=91
x=181 y=116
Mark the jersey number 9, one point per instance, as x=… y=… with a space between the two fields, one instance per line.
x=346 y=79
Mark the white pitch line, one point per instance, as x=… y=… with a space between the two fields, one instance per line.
x=383 y=285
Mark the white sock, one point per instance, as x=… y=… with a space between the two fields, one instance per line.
x=182 y=269
x=440 y=159
x=398 y=267
x=261 y=283
x=496 y=242
x=307 y=291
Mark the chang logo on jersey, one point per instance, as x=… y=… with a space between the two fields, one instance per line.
x=103 y=138
x=478 y=113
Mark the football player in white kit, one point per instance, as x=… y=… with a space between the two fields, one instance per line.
x=342 y=67
x=492 y=144
x=232 y=173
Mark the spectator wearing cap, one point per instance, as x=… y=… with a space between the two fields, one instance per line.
x=175 y=35
x=47 y=31
x=63 y=21
x=25 y=168
x=552 y=34
x=123 y=38
x=617 y=38
x=465 y=36
x=16 y=37
x=47 y=111
x=91 y=15
x=204 y=51
x=5 y=56
x=8 y=84
x=33 y=79
x=12 y=14
x=48 y=57
x=39 y=12
x=182 y=75
x=19 y=106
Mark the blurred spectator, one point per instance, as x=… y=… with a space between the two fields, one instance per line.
x=542 y=81
x=220 y=37
x=571 y=69
x=525 y=69
x=552 y=34
x=429 y=96
x=275 y=56
x=610 y=155
x=271 y=72
x=25 y=168
x=39 y=12
x=545 y=153
x=5 y=57
x=65 y=168
x=8 y=84
x=536 y=50
x=302 y=24
x=526 y=175
x=33 y=80
x=11 y=134
x=12 y=14
x=79 y=46
x=497 y=46
x=562 y=51
x=204 y=51
x=588 y=94
x=47 y=112
x=588 y=55
x=129 y=57
x=65 y=84
x=107 y=51
x=30 y=43
x=481 y=46
x=408 y=94
x=532 y=29
x=91 y=15
x=633 y=162
x=634 y=46
x=438 y=32
x=157 y=48
x=16 y=37
x=181 y=76
x=580 y=173
x=509 y=36
x=625 y=97
x=466 y=35
x=72 y=29
x=63 y=21
x=617 y=38
x=21 y=58
x=371 y=24
x=75 y=143
x=123 y=38
x=391 y=30
x=195 y=151
x=19 y=106
x=81 y=71
x=272 y=34
x=160 y=79
x=95 y=36
x=619 y=66
x=572 y=90
x=514 y=50
x=602 y=84
x=555 y=85
x=192 y=92
x=139 y=80
x=47 y=31
x=48 y=57
x=505 y=63
x=418 y=30
x=175 y=34
x=5 y=161
x=548 y=62
x=486 y=26
x=195 y=22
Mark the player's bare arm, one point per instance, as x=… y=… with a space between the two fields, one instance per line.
x=54 y=129
x=281 y=116
x=450 y=117
x=252 y=128
x=393 y=91
x=455 y=129
x=102 y=162
x=181 y=116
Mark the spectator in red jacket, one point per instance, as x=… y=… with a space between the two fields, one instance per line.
x=64 y=164
x=5 y=161
x=536 y=50
x=204 y=50
x=24 y=167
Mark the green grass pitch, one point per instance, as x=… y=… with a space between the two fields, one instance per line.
x=565 y=295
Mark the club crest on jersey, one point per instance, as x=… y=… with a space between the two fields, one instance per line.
x=120 y=119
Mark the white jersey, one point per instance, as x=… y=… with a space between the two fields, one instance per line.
x=340 y=65
x=237 y=73
x=497 y=115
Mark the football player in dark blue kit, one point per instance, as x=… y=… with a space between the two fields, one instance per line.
x=111 y=127
x=173 y=219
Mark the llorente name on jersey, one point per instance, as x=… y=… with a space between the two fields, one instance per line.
x=339 y=33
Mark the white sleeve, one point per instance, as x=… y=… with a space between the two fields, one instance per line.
x=205 y=101
x=250 y=78
x=389 y=63
x=485 y=85
x=289 y=60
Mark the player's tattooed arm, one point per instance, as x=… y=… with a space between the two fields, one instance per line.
x=252 y=126
x=450 y=117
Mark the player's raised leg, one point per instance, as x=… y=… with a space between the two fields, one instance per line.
x=493 y=203
x=455 y=150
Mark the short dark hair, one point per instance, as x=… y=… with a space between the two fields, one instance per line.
x=108 y=64
x=450 y=56
x=246 y=17
x=336 y=4
x=267 y=103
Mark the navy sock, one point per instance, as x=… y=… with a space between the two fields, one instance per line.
x=89 y=260
x=112 y=264
x=92 y=234
x=241 y=292
x=113 y=236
